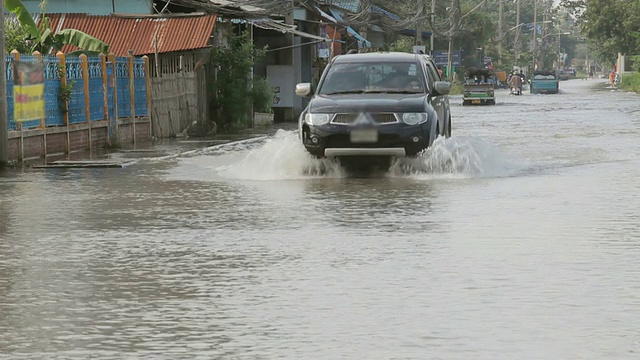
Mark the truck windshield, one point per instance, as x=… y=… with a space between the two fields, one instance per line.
x=390 y=77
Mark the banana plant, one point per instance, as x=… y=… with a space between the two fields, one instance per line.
x=44 y=40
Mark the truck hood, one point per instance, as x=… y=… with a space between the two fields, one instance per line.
x=368 y=103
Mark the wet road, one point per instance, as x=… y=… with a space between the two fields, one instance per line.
x=518 y=238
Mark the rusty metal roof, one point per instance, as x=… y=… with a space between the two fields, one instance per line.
x=138 y=33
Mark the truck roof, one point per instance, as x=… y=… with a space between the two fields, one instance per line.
x=377 y=57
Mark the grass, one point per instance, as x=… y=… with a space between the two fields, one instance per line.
x=457 y=89
x=631 y=82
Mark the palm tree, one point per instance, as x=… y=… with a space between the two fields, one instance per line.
x=45 y=41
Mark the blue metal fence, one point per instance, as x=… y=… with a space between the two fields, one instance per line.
x=140 y=87
x=124 y=93
x=75 y=103
x=9 y=73
x=96 y=91
x=54 y=109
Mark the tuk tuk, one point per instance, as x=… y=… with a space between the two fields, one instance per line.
x=544 y=82
x=479 y=87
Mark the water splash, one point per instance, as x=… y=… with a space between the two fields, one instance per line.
x=282 y=157
x=456 y=157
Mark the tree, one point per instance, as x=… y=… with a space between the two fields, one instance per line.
x=43 y=39
x=608 y=25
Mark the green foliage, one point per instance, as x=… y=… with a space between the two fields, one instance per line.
x=457 y=89
x=262 y=94
x=43 y=39
x=16 y=36
x=403 y=44
x=631 y=82
x=609 y=24
x=233 y=95
x=64 y=92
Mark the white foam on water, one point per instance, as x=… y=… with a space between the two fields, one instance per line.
x=458 y=157
x=283 y=157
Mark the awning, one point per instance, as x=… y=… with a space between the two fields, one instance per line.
x=363 y=42
x=325 y=15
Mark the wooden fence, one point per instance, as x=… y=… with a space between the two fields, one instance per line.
x=179 y=100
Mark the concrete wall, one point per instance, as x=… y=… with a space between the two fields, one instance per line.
x=92 y=7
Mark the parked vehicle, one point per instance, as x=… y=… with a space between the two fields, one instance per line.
x=562 y=75
x=544 y=82
x=375 y=104
x=479 y=87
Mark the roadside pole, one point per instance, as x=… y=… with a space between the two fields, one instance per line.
x=433 y=18
x=4 y=121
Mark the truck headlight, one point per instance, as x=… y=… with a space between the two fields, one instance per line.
x=316 y=119
x=414 y=118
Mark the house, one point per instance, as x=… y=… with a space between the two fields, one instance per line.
x=151 y=35
x=292 y=34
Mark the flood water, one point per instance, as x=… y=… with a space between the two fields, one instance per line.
x=518 y=238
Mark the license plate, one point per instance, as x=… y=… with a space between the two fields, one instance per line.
x=475 y=101
x=364 y=135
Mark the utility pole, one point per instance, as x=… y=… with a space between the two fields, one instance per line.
x=365 y=9
x=433 y=15
x=501 y=2
x=4 y=120
x=517 y=45
x=535 y=32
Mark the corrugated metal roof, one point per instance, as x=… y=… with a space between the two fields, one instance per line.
x=138 y=34
x=349 y=5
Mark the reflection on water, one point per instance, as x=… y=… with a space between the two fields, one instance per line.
x=516 y=238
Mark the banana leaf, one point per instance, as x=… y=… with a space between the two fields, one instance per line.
x=16 y=7
x=81 y=40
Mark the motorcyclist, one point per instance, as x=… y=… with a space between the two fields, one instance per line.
x=515 y=82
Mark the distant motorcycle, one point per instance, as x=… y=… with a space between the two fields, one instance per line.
x=515 y=85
